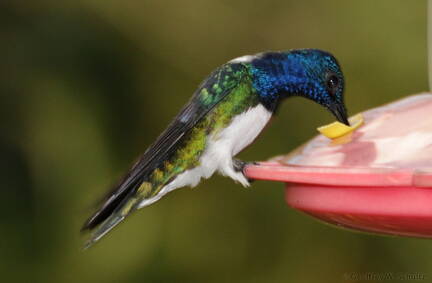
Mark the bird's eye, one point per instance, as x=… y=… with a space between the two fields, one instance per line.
x=332 y=84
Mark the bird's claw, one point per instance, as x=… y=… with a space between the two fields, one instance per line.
x=239 y=166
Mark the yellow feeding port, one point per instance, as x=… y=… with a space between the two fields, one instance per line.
x=337 y=129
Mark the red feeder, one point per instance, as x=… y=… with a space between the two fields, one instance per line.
x=377 y=179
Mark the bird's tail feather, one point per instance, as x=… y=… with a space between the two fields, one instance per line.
x=104 y=228
x=124 y=208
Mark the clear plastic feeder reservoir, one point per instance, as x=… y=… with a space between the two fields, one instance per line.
x=377 y=178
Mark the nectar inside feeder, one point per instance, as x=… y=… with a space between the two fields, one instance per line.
x=377 y=178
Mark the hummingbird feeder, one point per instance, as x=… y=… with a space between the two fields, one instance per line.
x=376 y=179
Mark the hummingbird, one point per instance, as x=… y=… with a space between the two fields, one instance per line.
x=225 y=114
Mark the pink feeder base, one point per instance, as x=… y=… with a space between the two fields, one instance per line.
x=380 y=201
x=367 y=209
x=378 y=181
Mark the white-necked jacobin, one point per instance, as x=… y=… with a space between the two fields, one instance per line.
x=226 y=113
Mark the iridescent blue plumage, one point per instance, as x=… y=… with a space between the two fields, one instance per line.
x=309 y=73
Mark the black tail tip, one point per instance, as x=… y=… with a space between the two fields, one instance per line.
x=91 y=223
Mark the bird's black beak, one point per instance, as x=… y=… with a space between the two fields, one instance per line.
x=339 y=112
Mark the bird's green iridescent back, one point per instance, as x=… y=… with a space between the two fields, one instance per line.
x=238 y=83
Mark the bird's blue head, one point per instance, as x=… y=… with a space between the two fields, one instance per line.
x=310 y=73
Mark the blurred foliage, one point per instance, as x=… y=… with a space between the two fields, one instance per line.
x=86 y=85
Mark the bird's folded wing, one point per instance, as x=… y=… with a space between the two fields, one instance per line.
x=211 y=91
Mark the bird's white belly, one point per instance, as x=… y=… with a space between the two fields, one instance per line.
x=244 y=129
x=222 y=146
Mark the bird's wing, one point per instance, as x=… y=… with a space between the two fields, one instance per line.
x=211 y=91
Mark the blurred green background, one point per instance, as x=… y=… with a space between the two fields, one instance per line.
x=87 y=85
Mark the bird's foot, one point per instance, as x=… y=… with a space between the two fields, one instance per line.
x=239 y=166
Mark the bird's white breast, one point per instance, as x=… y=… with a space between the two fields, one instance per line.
x=242 y=131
